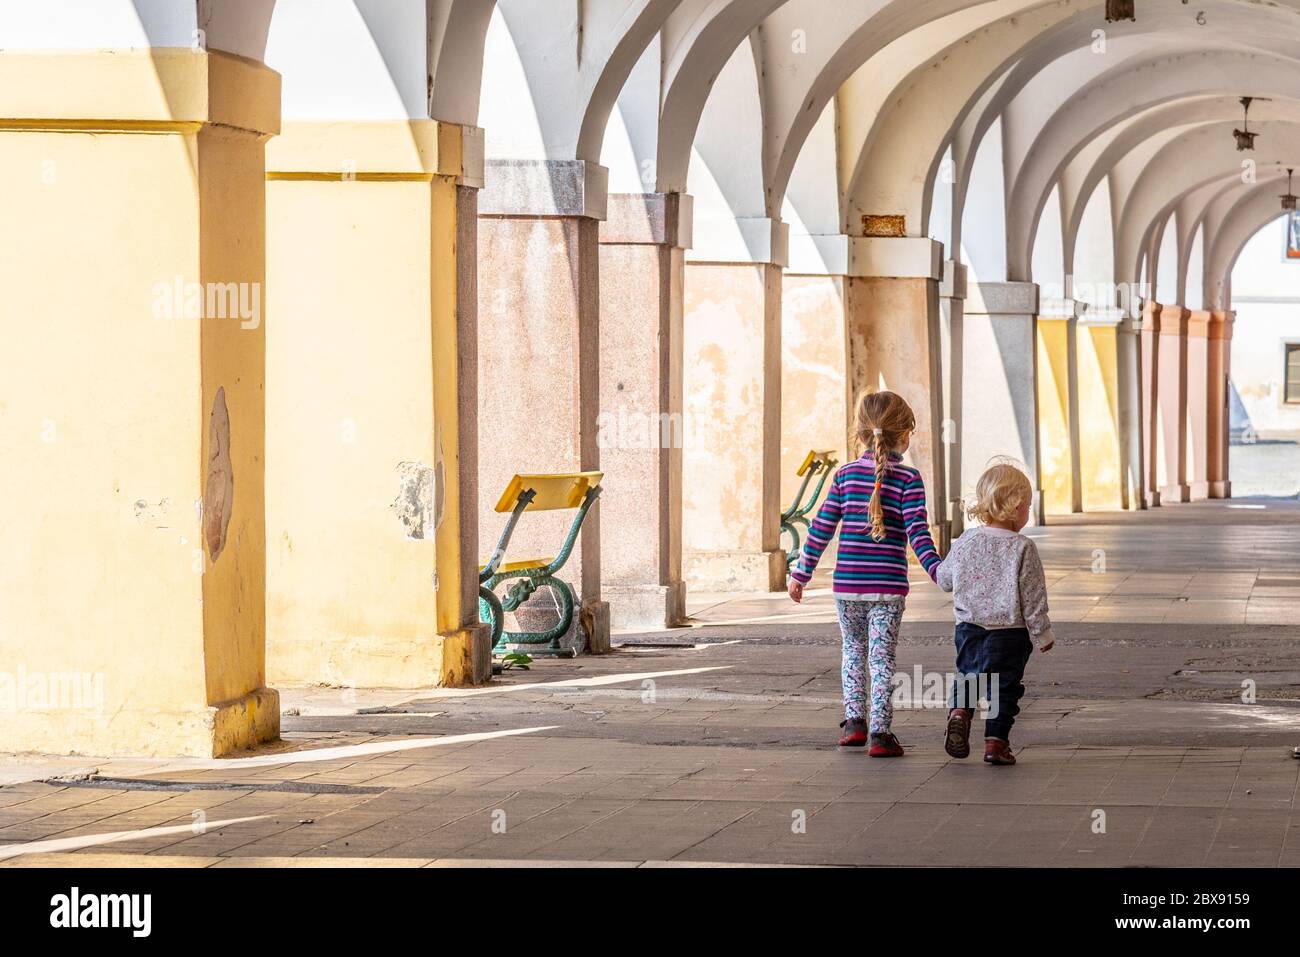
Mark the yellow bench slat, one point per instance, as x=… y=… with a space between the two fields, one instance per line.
x=559 y=490
x=824 y=456
x=521 y=564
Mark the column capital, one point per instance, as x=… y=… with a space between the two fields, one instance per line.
x=1073 y=309
x=896 y=257
x=1173 y=320
x=1221 y=322
x=377 y=150
x=525 y=187
x=743 y=239
x=954 y=284
x=137 y=91
x=1198 y=323
x=649 y=219
x=1149 y=319
x=1002 y=298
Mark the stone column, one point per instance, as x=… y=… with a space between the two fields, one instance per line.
x=132 y=258
x=1172 y=405
x=1000 y=381
x=1150 y=404
x=1198 y=408
x=732 y=373
x=952 y=307
x=1058 y=405
x=641 y=431
x=1101 y=429
x=539 y=359
x=1219 y=366
x=372 y=419
x=1132 y=432
x=894 y=344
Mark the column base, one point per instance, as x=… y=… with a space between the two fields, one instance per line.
x=1199 y=491
x=1220 y=489
x=208 y=732
x=465 y=656
x=1176 y=493
x=650 y=607
x=589 y=633
x=1153 y=499
x=245 y=722
x=957 y=518
x=454 y=659
x=1037 y=509
x=594 y=619
x=727 y=571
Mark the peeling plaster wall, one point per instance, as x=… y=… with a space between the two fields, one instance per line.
x=730 y=484
x=814 y=389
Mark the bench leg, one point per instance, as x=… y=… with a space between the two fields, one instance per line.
x=792 y=554
x=520 y=592
x=490 y=612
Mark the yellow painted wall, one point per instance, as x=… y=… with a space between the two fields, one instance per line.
x=107 y=395
x=361 y=480
x=1099 y=435
x=1055 y=453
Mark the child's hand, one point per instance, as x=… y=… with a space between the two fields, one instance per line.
x=1048 y=643
x=796 y=591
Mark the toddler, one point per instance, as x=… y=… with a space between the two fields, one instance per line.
x=999 y=598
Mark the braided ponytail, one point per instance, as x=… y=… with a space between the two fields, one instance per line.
x=877 y=511
x=881 y=422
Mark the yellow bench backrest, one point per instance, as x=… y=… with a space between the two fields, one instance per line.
x=825 y=457
x=563 y=490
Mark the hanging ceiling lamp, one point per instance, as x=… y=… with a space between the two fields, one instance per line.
x=1245 y=138
x=1121 y=10
x=1288 y=198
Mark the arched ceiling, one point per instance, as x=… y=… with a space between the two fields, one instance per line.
x=1147 y=106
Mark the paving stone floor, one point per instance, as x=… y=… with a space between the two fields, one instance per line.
x=1138 y=743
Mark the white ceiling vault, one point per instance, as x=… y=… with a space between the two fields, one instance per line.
x=812 y=112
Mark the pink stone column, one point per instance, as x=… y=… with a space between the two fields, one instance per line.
x=1150 y=361
x=1172 y=404
x=1218 y=370
x=1198 y=407
x=539 y=362
x=894 y=344
x=641 y=426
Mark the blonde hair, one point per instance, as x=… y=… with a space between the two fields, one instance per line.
x=1000 y=493
x=881 y=421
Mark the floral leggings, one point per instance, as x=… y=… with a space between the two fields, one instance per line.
x=870 y=640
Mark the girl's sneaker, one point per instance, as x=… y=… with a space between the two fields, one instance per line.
x=885 y=745
x=855 y=733
x=957 y=741
x=997 y=751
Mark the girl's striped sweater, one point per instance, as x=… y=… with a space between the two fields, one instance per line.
x=864 y=566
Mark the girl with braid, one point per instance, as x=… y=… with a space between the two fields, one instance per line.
x=879 y=505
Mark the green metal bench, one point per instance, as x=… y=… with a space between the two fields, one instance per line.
x=534 y=493
x=821 y=464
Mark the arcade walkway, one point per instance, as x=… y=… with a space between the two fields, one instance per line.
x=715 y=744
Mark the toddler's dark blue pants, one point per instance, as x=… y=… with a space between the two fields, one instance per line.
x=989 y=658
